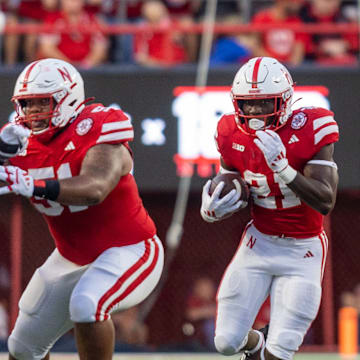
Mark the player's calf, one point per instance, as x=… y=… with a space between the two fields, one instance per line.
x=95 y=340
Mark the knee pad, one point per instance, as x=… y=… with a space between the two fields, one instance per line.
x=290 y=340
x=82 y=308
x=21 y=352
x=231 y=330
x=228 y=344
x=302 y=298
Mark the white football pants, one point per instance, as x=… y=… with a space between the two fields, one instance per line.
x=288 y=269
x=61 y=293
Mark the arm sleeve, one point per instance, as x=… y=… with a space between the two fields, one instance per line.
x=116 y=128
x=325 y=129
x=222 y=140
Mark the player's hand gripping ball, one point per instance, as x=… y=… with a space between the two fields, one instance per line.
x=223 y=196
x=232 y=181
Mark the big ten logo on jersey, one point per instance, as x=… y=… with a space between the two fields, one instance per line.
x=198 y=110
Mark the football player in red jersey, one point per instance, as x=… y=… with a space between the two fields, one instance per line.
x=286 y=158
x=73 y=162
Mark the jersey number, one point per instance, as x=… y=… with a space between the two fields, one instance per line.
x=260 y=190
x=48 y=207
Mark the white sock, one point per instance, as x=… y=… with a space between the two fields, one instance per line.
x=260 y=343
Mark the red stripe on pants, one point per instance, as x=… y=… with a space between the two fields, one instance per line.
x=122 y=279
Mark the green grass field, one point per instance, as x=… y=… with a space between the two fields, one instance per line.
x=168 y=356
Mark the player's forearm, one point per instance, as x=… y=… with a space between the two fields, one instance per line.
x=318 y=195
x=83 y=191
x=100 y=172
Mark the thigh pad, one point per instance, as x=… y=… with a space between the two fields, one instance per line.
x=302 y=298
x=35 y=294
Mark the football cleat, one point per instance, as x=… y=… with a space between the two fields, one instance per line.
x=246 y=355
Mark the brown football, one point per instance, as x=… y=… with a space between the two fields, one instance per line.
x=232 y=181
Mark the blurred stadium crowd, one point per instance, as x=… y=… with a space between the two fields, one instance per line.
x=158 y=48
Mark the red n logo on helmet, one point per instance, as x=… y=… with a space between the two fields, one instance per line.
x=65 y=74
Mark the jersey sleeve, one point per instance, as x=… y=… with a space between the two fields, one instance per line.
x=222 y=139
x=116 y=128
x=325 y=128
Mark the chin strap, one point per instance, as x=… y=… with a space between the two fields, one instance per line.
x=85 y=102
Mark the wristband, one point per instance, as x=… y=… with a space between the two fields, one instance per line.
x=288 y=174
x=47 y=189
x=3 y=159
x=8 y=150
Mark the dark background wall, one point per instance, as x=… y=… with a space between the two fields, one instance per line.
x=149 y=94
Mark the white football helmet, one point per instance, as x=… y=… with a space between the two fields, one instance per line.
x=262 y=78
x=54 y=79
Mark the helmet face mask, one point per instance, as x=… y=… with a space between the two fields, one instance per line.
x=55 y=89
x=39 y=120
x=262 y=95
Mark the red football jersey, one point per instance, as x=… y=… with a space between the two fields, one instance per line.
x=276 y=209
x=82 y=233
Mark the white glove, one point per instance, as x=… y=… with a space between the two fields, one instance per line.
x=271 y=145
x=13 y=140
x=214 y=208
x=20 y=182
